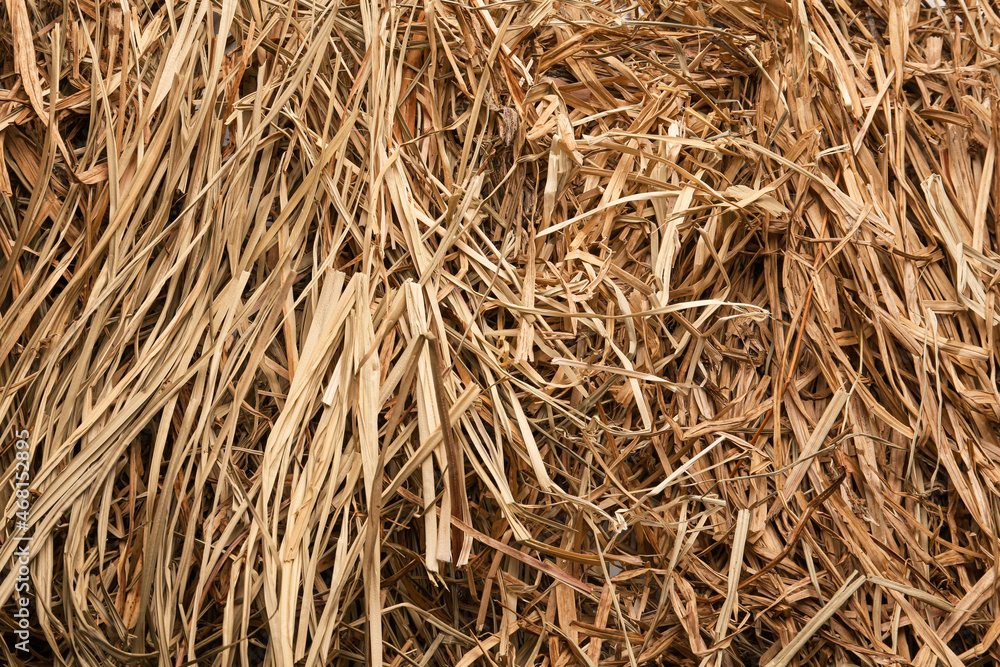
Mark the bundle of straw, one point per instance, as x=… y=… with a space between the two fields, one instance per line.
x=534 y=332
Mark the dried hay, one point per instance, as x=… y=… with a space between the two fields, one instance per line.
x=510 y=333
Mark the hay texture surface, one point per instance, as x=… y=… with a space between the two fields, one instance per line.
x=500 y=333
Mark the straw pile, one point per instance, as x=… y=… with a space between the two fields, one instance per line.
x=501 y=333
